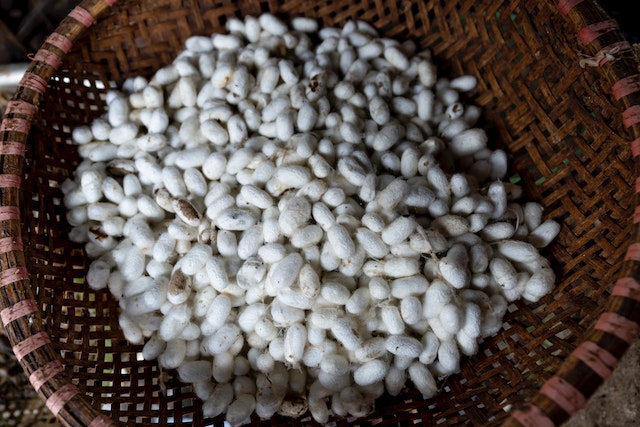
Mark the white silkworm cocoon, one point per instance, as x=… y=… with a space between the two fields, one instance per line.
x=271 y=252
x=540 y=284
x=98 y=274
x=411 y=310
x=154 y=347
x=222 y=339
x=343 y=329
x=148 y=207
x=390 y=134
x=450 y=317
x=335 y=293
x=173 y=355
x=544 y=234
x=283 y=273
x=437 y=296
x=373 y=222
x=422 y=379
x=451 y=225
x=533 y=215
x=453 y=267
x=295 y=338
x=503 y=272
x=398 y=230
x=233 y=219
x=174 y=322
x=370 y=372
x=341 y=242
x=379 y=288
x=219 y=400
x=392 y=319
x=240 y=409
x=284 y=315
x=358 y=302
x=371 y=242
x=194 y=370
x=403 y=345
x=497 y=194
x=407 y=286
x=307 y=236
x=91 y=185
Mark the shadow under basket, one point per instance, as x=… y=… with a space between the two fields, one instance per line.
x=559 y=89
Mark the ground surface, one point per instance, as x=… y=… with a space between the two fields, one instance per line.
x=23 y=26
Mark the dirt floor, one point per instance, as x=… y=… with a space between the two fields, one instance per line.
x=617 y=401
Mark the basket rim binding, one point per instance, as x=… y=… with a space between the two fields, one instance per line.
x=556 y=400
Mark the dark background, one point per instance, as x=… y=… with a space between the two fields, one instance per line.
x=24 y=24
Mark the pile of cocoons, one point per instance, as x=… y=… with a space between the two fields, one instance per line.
x=299 y=218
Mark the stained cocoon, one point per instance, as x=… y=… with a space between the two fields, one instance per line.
x=266 y=204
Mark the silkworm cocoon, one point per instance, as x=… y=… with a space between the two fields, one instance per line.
x=423 y=380
x=100 y=211
x=468 y=142
x=194 y=370
x=118 y=110
x=503 y=272
x=284 y=315
x=479 y=255
x=437 y=296
x=343 y=329
x=268 y=78
x=544 y=234
x=319 y=410
x=358 y=302
x=371 y=242
x=395 y=380
x=154 y=347
x=451 y=318
x=295 y=338
x=430 y=344
x=398 y=230
x=379 y=288
x=403 y=345
x=340 y=240
x=283 y=273
x=370 y=372
x=400 y=266
x=453 y=267
x=307 y=236
x=392 y=319
x=240 y=409
x=407 y=286
x=271 y=252
x=451 y=225
x=335 y=293
x=448 y=357
x=91 y=185
x=219 y=400
x=411 y=310
x=98 y=274
x=222 y=339
x=235 y=219
x=373 y=222
x=540 y=284
x=390 y=134
x=174 y=322
x=276 y=350
x=173 y=355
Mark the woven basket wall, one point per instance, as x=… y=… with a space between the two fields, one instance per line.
x=559 y=87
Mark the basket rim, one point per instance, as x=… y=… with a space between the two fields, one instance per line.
x=552 y=404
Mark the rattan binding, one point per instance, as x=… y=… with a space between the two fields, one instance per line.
x=560 y=91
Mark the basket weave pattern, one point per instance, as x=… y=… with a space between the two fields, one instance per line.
x=560 y=91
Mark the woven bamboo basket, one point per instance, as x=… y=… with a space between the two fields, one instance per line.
x=560 y=92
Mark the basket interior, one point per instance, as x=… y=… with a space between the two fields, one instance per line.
x=563 y=132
